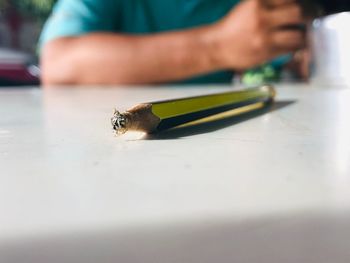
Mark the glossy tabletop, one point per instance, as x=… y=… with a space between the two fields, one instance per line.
x=272 y=186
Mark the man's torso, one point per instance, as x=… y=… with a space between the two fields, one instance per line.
x=78 y=17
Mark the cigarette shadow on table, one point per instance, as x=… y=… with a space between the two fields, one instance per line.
x=215 y=125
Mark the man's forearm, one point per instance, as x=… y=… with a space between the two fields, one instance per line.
x=107 y=58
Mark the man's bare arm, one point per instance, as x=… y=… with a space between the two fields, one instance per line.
x=107 y=58
x=250 y=35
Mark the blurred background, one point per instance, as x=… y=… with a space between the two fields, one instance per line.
x=20 y=26
x=21 y=22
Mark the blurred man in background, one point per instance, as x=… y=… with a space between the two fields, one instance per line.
x=155 y=41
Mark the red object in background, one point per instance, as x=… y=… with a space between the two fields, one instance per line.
x=16 y=69
x=17 y=74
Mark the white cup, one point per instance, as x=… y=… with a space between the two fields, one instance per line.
x=331 y=49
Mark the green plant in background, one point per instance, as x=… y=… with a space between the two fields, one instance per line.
x=16 y=13
x=39 y=9
x=261 y=75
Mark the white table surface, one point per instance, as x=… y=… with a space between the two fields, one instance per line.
x=270 y=188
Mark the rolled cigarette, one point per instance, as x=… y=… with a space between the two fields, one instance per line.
x=153 y=117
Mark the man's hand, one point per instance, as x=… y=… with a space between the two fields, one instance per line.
x=257 y=31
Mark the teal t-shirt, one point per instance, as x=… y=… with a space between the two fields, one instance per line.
x=79 y=17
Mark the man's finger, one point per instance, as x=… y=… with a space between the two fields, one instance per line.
x=287 y=41
x=284 y=16
x=275 y=3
